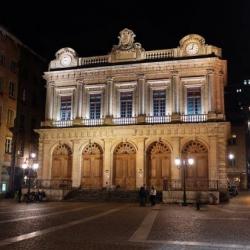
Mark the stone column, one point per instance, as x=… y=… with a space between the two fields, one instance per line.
x=76 y=167
x=108 y=164
x=47 y=160
x=140 y=163
x=141 y=95
x=211 y=92
x=79 y=106
x=175 y=92
x=49 y=101
x=109 y=101
x=175 y=172
x=212 y=159
x=84 y=106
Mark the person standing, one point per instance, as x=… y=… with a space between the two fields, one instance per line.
x=19 y=194
x=152 y=196
x=142 y=195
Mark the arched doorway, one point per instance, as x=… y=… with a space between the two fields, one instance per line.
x=92 y=166
x=62 y=162
x=197 y=174
x=159 y=164
x=124 y=173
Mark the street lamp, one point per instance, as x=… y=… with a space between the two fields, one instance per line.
x=231 y=158
x=184 y=163
x=29 y=164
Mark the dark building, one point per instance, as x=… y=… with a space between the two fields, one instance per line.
x=22 y=96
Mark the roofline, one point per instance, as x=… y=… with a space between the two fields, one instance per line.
x=16 y=40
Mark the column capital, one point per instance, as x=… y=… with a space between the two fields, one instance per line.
x=174 y=72
x=210 y=71
x=141 y=76
x=110 y=79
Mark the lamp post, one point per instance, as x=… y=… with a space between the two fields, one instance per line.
x=184 y=163
x=29 y=164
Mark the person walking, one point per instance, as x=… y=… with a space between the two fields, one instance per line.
x=142 y=196
x=152 y=196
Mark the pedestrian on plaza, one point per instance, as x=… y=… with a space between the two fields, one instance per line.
x=198 y=200
x=142 y=195
x=19 y=194
x=152 y=196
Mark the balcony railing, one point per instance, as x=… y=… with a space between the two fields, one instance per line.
x=193 y=185
x=133 y=120
x=124 y=120
x=194 y=118
x=49 y=184
x=158 y=119
x=93 y=122
x=61 y=124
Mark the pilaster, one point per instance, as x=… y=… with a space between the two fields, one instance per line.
x=140 y=163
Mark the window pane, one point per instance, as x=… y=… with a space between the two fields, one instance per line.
x=65 y=108
x=95 y=106
x=193 y=101
x=126 y=104
x=159 y=102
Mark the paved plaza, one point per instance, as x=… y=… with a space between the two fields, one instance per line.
x=92 y=225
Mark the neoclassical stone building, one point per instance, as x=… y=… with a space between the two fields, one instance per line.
x=122 y=119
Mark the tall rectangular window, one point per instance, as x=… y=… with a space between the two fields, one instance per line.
x=12 y=89
x=126 y=104
x=10 y=118
x=8 y=144
x=2 y=59
x=193 y=101
x=65 y=111
x=95 y=106
x=159 y=102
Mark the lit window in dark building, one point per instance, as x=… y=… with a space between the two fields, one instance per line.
x=65 y=108
x=193 y=101
x=8 y=145
x=95 y=106
x=12 y=89
x=159 y=102
x=126 y=104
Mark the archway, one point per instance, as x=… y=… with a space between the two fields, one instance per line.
x=92 y=166
x=197 y=174
x=159 y=164
x=61 y=162
x=124 y=172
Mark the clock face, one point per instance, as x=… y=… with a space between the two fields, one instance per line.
x=192 y=48
x=65 y=60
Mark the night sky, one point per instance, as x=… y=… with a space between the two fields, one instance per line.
x=91 y=28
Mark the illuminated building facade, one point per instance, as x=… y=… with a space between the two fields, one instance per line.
x=122 y=119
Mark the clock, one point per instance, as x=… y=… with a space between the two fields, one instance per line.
x=65 y=60
x=192 y=48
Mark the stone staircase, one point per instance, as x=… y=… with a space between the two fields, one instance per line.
x=117 y=195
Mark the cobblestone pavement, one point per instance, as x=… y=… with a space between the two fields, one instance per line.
x=86 y=225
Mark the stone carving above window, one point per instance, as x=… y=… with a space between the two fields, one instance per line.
x=159 y=147
x=62 y=149
x=92 y=149
x=125 y=148
x=194 y=147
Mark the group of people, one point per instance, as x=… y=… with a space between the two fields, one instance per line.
x=143 y=195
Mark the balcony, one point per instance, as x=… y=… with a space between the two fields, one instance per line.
x=175 y=118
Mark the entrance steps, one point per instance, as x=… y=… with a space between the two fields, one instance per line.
x=117 y=195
